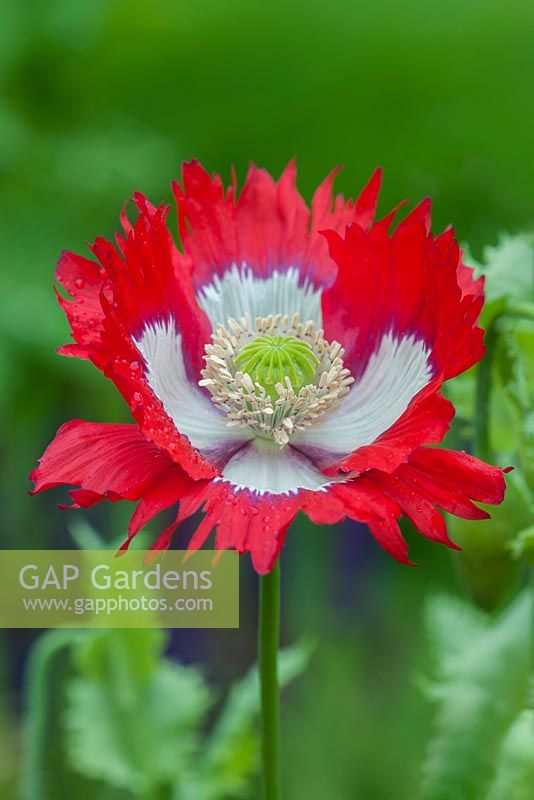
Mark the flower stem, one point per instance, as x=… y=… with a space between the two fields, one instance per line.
x=482 y=444
x=42 y=668
x=268 y=640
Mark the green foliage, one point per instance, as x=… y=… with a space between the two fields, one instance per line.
x=132 y=717
x=101 y=98
x=483 y=668
x=492 y=551
x=515 y=360
x=488 y=565
x=137 y=721
x=509 y=274
x=230 y=751
x=514 y=779
x=508 y=269
x=522 y=546
x=46 y=668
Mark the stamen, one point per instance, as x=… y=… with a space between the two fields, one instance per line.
x=276 y=377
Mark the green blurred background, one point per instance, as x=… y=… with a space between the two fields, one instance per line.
x=100 y=98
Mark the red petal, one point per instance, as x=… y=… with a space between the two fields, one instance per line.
x=83 y=279
x=148 y=281
x=102 y=459
x=467 y=282
x=365 y=207
x=420 y=511
x=171 y=485
x=365 y=503
x=452 y=480
x=267 y=227
x=410 y=285
x=478 y=481
x=426 y=421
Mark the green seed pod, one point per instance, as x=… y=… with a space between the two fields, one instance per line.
x=270 y=359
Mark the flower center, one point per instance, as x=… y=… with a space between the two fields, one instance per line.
x=275 y=377
x=270 y=359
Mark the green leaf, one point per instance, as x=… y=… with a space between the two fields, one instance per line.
x=523 y=545
x=231 y=753
x=451 y=626
x=515 y=357
x=508 y=268
x=515 y=770
x=132 y=718
x=461 y=392
x=484 y=666
x=486 y=565
x=86 y=537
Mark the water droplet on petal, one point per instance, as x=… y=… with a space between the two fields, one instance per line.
x=79 y=283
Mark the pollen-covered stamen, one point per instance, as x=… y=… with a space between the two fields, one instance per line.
x=276 y=376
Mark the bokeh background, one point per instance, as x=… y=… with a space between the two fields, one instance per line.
x=101 y=98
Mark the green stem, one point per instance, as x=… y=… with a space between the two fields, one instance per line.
x=269 y=635
x=481 y=443
x=38 y=695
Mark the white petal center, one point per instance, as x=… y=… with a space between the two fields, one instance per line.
x=396 y=372
x=262 y=467
x=239 y=291
x=189 y=407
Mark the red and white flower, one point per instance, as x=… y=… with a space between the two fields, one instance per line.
x=286 y=360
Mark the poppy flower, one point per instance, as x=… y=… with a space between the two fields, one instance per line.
x=281 y=360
